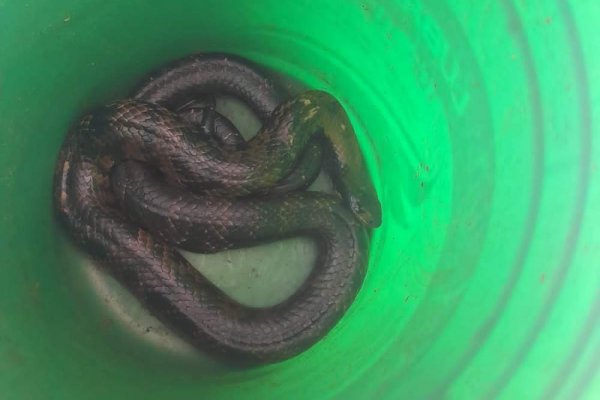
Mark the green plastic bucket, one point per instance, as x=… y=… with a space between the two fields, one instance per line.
x=478 y=123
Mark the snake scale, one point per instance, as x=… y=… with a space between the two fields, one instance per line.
x=140 y=177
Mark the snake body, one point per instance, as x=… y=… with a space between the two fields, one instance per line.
x=187 y=86
x=136 y=178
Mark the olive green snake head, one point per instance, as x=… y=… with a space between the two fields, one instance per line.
x=319 y=111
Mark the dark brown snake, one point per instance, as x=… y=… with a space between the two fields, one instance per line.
x=139 y=177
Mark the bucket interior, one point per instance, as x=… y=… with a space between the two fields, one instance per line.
x=476 y=121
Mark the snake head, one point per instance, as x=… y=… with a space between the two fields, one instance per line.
x=366 y=208
x=319 y=111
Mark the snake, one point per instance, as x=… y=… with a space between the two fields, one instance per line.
x=138 y=178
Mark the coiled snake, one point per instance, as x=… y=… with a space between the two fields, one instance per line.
x=137 y=178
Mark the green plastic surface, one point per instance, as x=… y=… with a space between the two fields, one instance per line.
x=479 y=122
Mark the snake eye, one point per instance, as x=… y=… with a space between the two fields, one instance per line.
x=368 y=214
x=363 y=216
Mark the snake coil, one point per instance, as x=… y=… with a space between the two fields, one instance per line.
x=163 y=169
